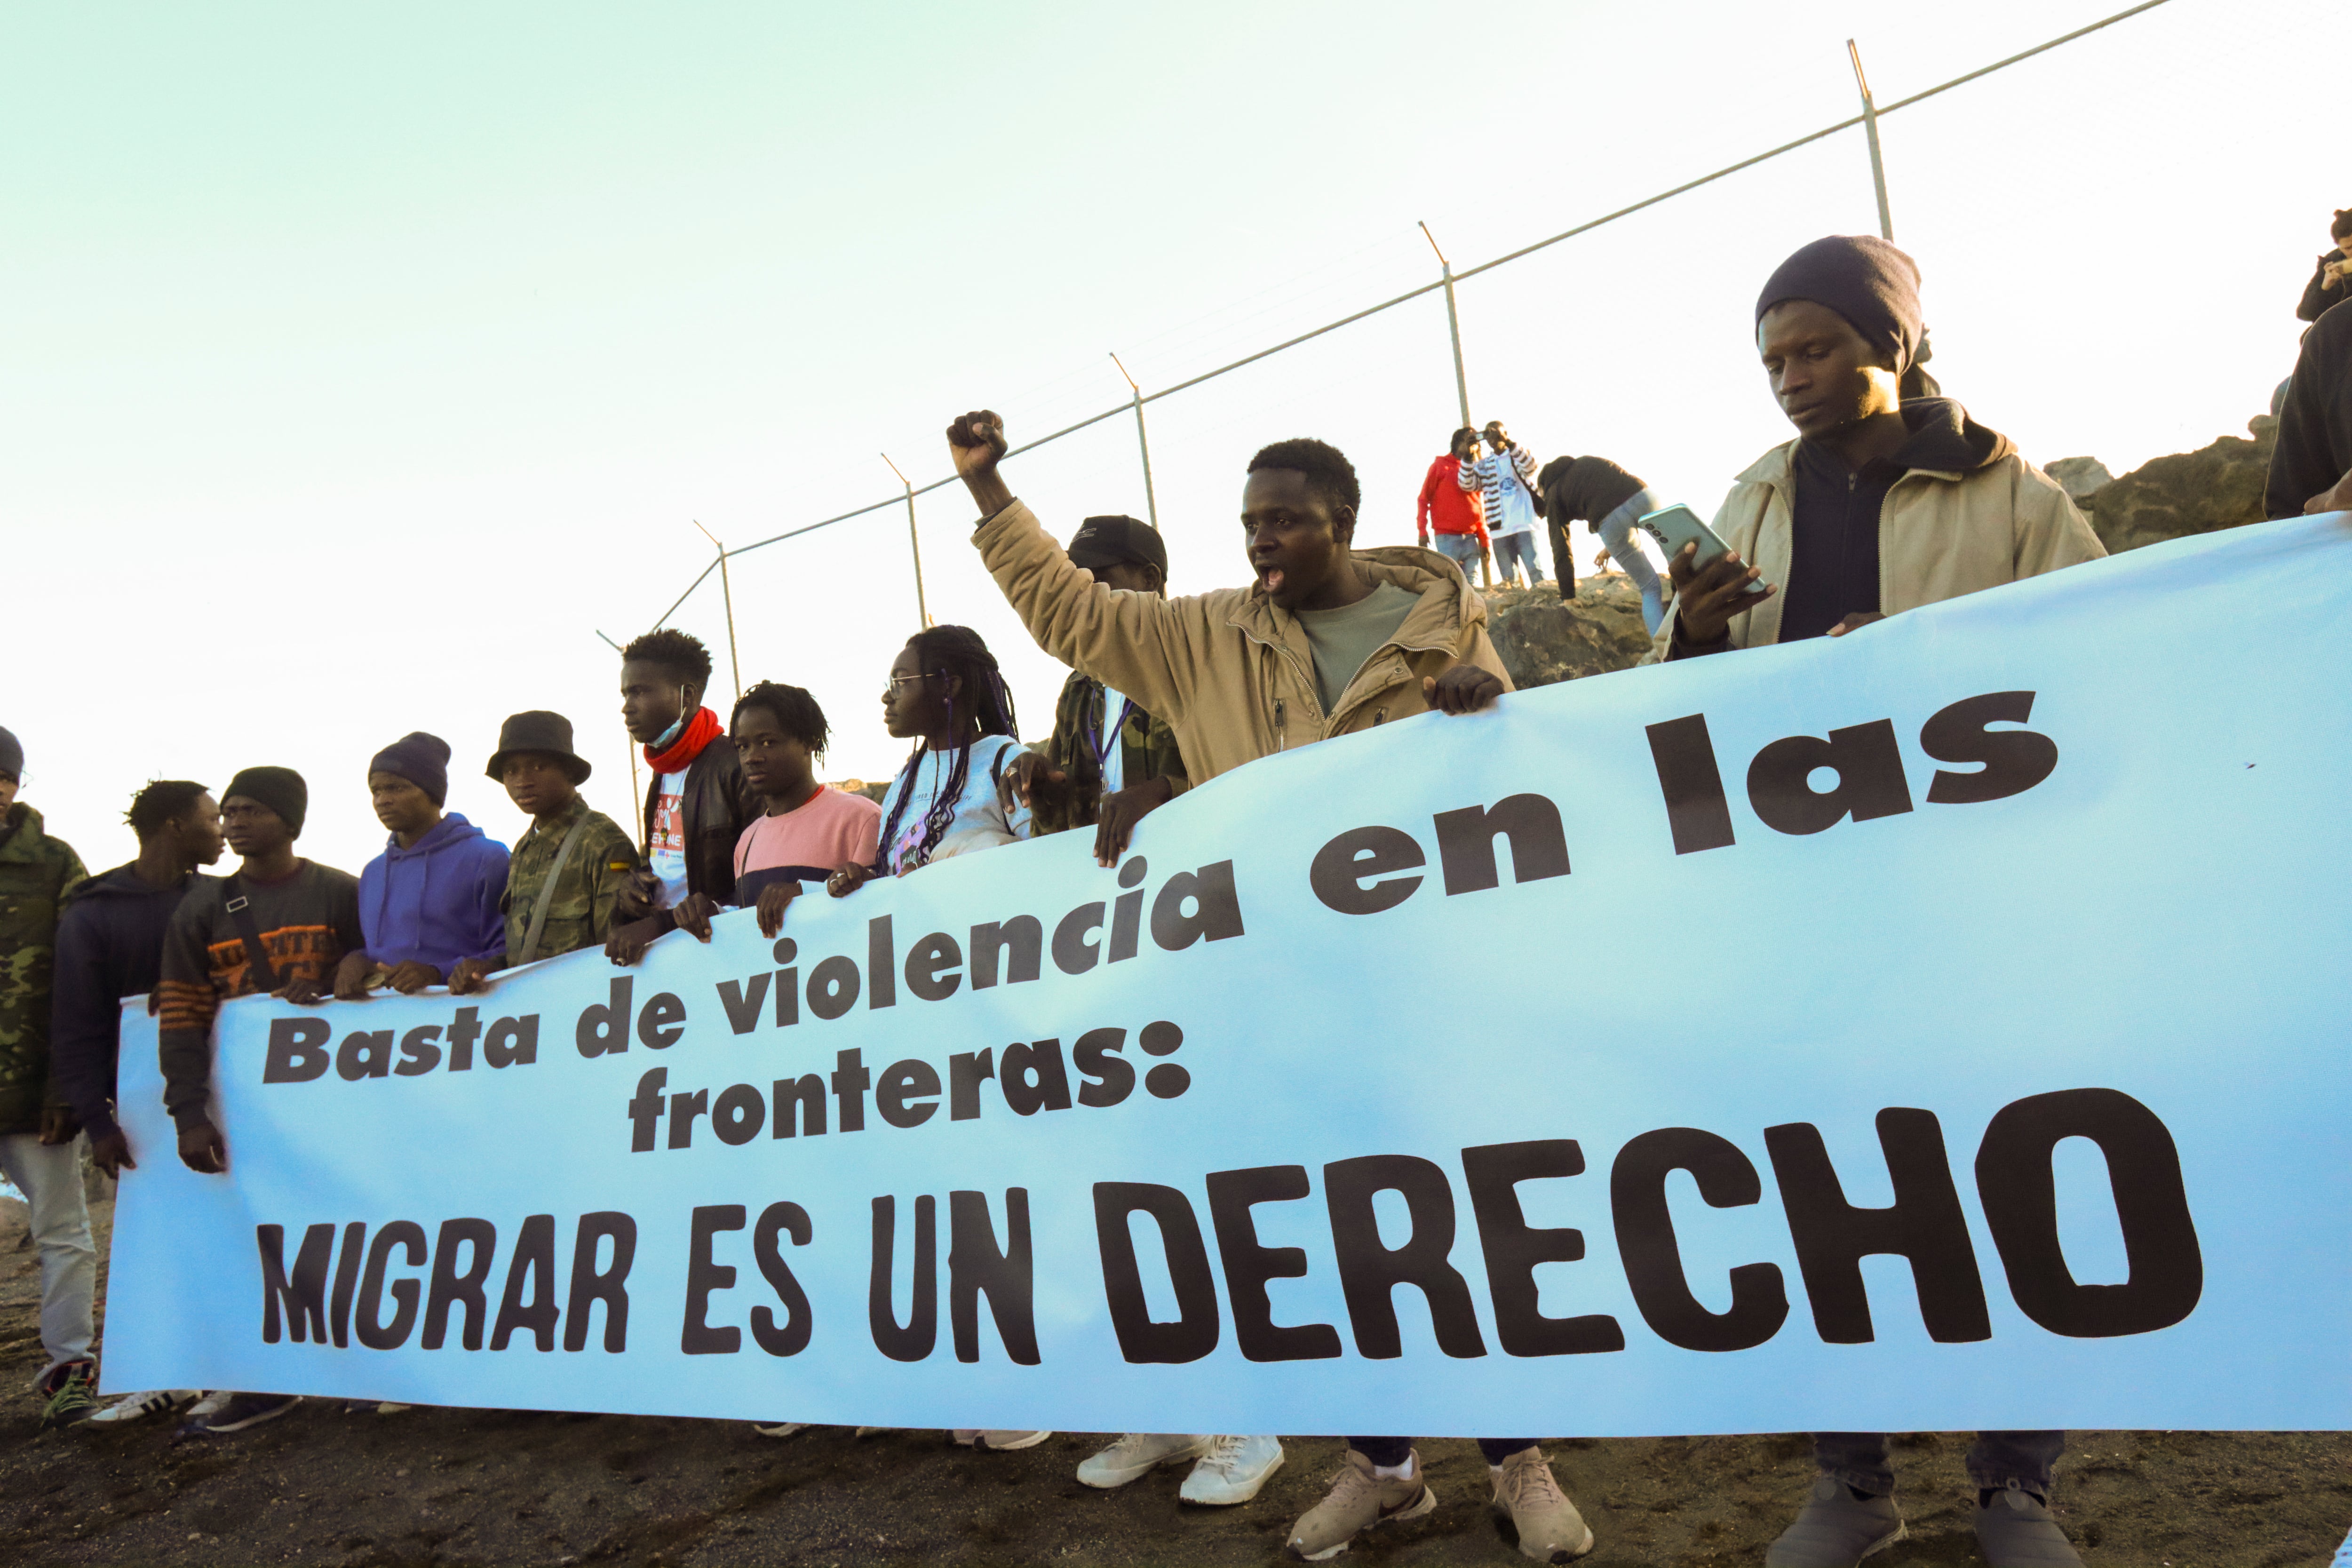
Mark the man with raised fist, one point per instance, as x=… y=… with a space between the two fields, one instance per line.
x=1387 y=633
x=1326 y=640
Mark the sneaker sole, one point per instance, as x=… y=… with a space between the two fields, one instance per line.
x=1564 y=1553
x=115 y=1415
x=781 y=1428
x=270 y=1415
x=1902 y=1531
x=1236 y=1500
x=1559 y=1554
x=1117 y=1478
x=1029 y=1442
x=1425 y=1503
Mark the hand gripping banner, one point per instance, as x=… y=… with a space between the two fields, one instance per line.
x=1942 y=1027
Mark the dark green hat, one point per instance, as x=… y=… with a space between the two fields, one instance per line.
x=538 y=731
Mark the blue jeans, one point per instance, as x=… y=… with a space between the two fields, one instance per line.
x=1520 y=547
x=1998 y=1461
x=1617 y=532
x=1461 y=549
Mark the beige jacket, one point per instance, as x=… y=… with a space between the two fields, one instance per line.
x=1232 y=674
x=1940 y=535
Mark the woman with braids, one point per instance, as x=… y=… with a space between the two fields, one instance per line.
x=946 y=694
x=944 y=691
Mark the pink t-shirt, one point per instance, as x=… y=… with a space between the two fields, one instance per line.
x=834 y=829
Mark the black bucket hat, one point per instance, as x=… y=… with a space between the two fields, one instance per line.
x=538 y=731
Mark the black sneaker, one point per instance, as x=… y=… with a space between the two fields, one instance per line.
x=68 y=1393
x=238 y=1412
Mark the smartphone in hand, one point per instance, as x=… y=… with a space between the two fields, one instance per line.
x=1676 y=526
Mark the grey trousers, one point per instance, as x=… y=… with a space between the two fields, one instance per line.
x=49 y=1175
x=1998 y=1461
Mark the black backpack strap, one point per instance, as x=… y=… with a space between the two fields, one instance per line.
x=256 y=957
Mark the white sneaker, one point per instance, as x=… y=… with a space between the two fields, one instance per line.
x=779 y=1428
x=989 y=1438
x=1232 y=1472
x=211 y=1404
x=154 y=1402
x=1136 y=1455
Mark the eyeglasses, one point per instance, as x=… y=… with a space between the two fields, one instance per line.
x=891 y=689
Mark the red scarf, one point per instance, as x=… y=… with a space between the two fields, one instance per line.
x=699 y=731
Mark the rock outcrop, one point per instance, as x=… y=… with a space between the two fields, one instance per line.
x=2217 y=487
x=1542 y=640
x=2081 y=477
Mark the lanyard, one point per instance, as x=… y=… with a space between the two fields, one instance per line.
x=1102 y=739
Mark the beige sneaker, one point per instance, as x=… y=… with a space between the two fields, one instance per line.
x=1002 y=1441
x=1550 y=1530
x=1357 y=1500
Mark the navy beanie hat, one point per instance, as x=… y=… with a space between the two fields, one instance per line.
x=12 y=755
x=280 y=789
x=422 y=758
x=1864 y=278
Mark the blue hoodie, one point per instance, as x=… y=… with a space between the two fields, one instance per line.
x=438 y=902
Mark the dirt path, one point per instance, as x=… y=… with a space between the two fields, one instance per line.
x=453 y=1487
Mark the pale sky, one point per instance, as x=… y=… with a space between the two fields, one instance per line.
x=364 y=361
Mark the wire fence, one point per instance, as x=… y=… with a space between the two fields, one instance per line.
x=1446 y=280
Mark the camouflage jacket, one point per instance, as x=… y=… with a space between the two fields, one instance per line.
x=1147 y=743
x=580 y=911
x=35 y=872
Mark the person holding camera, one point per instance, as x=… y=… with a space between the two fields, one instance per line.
x=1445 y=511
x=2331 y=280
x=1504 y=482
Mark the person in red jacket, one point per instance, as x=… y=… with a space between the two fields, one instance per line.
x=1445 y=508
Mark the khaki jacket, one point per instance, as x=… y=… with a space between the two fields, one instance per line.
x=1232 y=674
x=1940 y=534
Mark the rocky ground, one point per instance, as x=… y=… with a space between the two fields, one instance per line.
x=2215 y=486
x=454 y=1487
x=1542 y=641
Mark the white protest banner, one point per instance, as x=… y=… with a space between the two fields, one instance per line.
x=1936 y=1028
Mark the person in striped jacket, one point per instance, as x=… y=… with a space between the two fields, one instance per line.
x=1505 y=482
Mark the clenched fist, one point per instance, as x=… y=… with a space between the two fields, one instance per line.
x=977 y=443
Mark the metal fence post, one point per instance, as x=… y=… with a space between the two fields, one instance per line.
x=1460 y=378
x=726 y=597
x=1870 y=127
x=1452 y=325
x=915 y=545
x=1150 y=501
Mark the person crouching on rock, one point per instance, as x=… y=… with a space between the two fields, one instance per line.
x=1597 y=492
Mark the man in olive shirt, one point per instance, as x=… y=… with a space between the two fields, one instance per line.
x=570 y=865
x=1108 y=764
